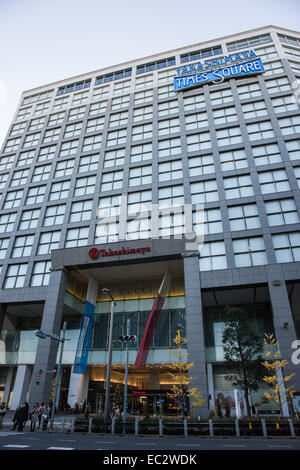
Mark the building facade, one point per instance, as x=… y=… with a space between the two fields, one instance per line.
x=92 y=173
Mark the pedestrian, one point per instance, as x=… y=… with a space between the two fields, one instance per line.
x=26 y=413
x=41 y=412
x=46 y=416
x=88 y=410
x=2 y=413
x=19 y=417
x=34 y=415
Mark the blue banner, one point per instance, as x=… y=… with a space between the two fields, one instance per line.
x=84 y=340
x=219 y=75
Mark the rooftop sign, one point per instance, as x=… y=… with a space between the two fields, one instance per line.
x=210 y=70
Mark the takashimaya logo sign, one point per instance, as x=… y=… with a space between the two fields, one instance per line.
x=94 y=253
x=217 y=70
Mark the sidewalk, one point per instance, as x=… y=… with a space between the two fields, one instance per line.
x=7 y=424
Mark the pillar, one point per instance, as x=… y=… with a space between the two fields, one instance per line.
x=8 y=383
x=211 y=388
x=47 y=348
x=21 y=386
x=78 y=388
x=195 y=332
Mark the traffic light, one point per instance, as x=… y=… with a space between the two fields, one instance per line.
x=127 y=338
x=38 y=377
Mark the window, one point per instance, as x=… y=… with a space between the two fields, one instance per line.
x=54 y=215
x=289 y=40
x=212 y=256
x=64 y=168
x=194 y=55
x=113 y=76
x=92 y=143
x=7 y=222
x=77 y=113
x=138 y=228
x=198 y=142
x=59 y=190
x=12 y=144
x=31 y=140
x=142 y=132
x=278 y=84
x=85 y=186
x=116 y=137
x=74 y=86
x=122 y=87
x=41 y=173
x=60 y=103
x=81 y=211
x=88 y=163
x=42 y=108
x=13 y=199
x=266 y=154
x=55 y=119
x=166 y=76
x=238 y=186
x=94 y=125
x=3 y=247
x=297 y=174
x=249 y=91
x=282 y=212
x=140 y=153
x=139 y=202
x=273 y=67
x=194 y=102
x=24 y=113
x=172 y=196
x=77 y=237
x=248 y=42
x=273 y=181
x=17 y=128
x=229 y=136
x=29 y=219
x=100 y=92
x=118 y=119
x=289 y=125
x=46 y=153
x=19 y=177
x=112 y=180
x=284 y=103
x=201 y=165
x=15 y=276
x=107 y=232
x=287 y=247
x=225 y=115
x=141 y=114
x=51 y=135
x=26 y=158
x=253 y=110
x=37 y=124
x=167 y=148
x=80 y=98
x=170 y=170
x=114 y=158
x=140 y=175
x=35 y=195
x=211 y=222
x=233 y=160
x=108 y=206
x=3 y=180
x=195 y=121
x=260 y=130
x=73 y=130
x=166 y=92
x=6 y=162
x=204 y=191
x=293 y=148
x=22 y=246
x=143 y=97
x=243 y=217
x=221 y=97
x=48 y=241
x=40 y=274
x=172 y=223
x=68 y=148
x=249 y=252
x=167 y=108
x=156 y=65
x=120 y=102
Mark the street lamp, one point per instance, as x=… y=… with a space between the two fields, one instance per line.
x=108 y=373
x=43 y=335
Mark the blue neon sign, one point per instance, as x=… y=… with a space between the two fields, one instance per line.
x=218 y=75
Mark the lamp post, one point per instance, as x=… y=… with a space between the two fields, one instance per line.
x=43 y=335
x=108 y=373
x=126 y=374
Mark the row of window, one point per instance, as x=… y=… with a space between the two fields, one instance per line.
x=246 y=252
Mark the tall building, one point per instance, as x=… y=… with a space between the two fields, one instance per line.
x=93 y=172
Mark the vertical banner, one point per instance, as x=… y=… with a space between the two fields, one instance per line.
x=152 y=321
x=86 y=329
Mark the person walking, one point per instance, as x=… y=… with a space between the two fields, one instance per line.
x=20 y=417
x=34 y=416
x=26 y=413
x=2 y=413
x=46 y=416
x=41 y=412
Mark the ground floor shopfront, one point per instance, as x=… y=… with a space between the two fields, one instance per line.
x=194 y=304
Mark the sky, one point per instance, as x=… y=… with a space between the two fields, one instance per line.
x=43 y=41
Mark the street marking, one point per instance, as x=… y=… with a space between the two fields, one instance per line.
x=145 y=444
x=282 y=446
x=15 y=446
x=104 y=442
x=60 y=448
x=184 y=445
x=66 y=440
x=232 y=445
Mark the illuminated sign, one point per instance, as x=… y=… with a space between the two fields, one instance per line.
x=94 y=253
x=217 y=70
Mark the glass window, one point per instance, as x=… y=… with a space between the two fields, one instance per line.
x=112 y=180
x=85 y=185
x=81 y=210
x=41 y=173
x=48 y=241
x=12 y=144
x=64 y=168
x=54 y=215
x=40 y=274
x=68 y=148
x=284 y=103
x=59 y=190
x=167 y=108
x=229 y=136
x=7 y=222
x=51 y=135
x=212 y=256
x=46 y=153
x=225 y=115
x=139 y=202
x=118 y=119
x=36 y=124
x=15 y=276
x=19 y=177
x=35 y=195
x=201 y=165
x=194 y=102
x=287 y=247
x=3 y=247
x=78 y=113
x=249 y=91
x=293 y=148
x=238 y=186
x=109 y=206
x=140 y=175
x=243 y=217
x=170 y=170
x=196 y=121
x=249 y=252
x=94 y=125
x=114 y=158
x=116 y=137
x=88 y=163
x=220 y=97
x=273 y=181
x=253 y=110
x=198 y=142
x=73 y=130
x=233 y=160
x=29 y=219
x=171 y=196
x=169 y=147
x=208 y=222
x=260 y=130
x=140 y=153
x=266 y=154
x=26 y=158
x=22 y=246
x=13 y=199
x=142 y=132
x=77 y=237
x=204 y=191
x=289 y=125
x=282 y=212
x=92 y=143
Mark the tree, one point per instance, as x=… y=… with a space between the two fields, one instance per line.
x=180 y=390
x=279 y=392
x=242 y=348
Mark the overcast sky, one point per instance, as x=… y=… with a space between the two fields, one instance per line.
x=43 y=41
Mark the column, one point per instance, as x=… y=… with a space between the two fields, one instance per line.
x=78 y=388
x=21 y=386
x=47 y=348
x=8 y=383
x=211 y=388
x=2 y=315
x=283 y=321
x=194 y=330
